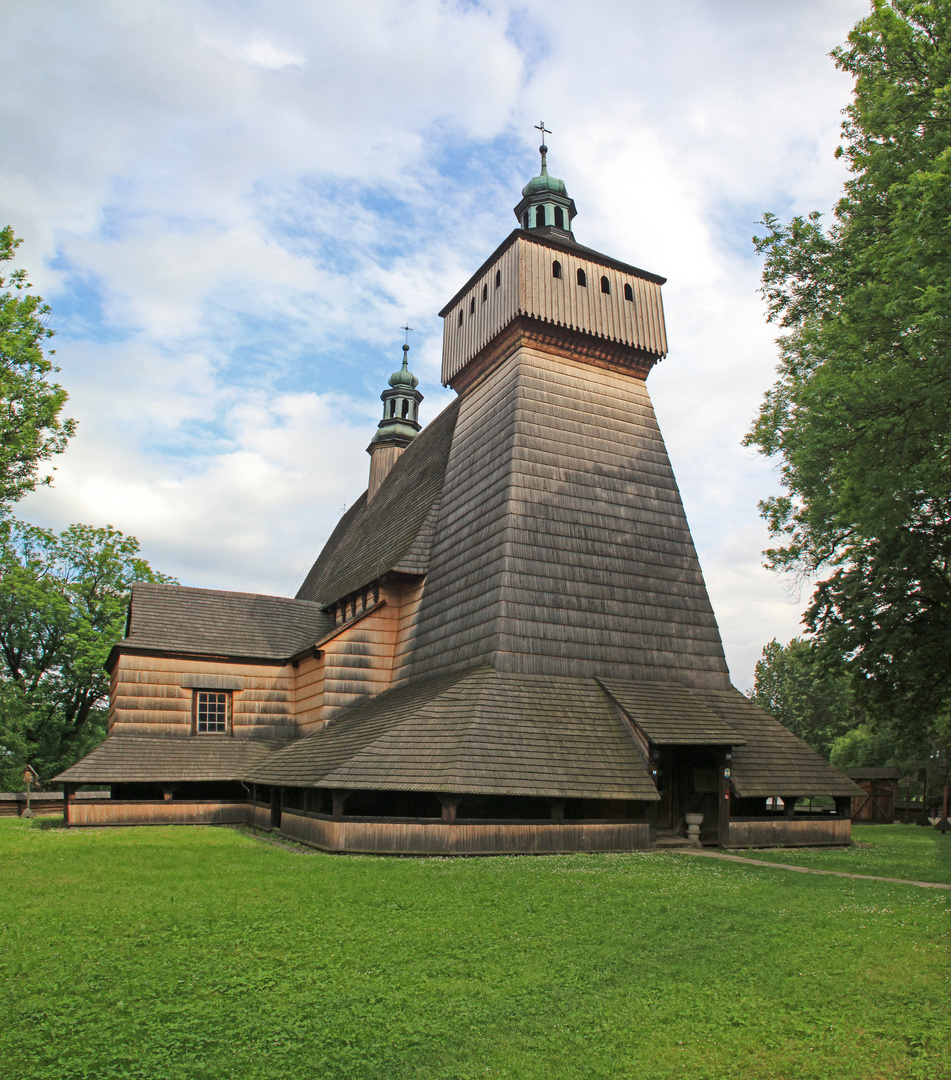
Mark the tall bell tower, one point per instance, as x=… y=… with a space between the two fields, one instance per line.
x=561 y=547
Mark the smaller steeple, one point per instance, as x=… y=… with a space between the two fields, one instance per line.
x=400 y=423
x=545 y=202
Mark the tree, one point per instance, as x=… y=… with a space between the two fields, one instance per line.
x=31 y=430
x=861 y=413
x=792 y=684
x=63 y=602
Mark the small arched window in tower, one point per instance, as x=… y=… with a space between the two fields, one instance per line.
x=628 y=292
x=472 y=306
x=485 y=293
x=582 y=278
x=405 y=411
x=539 y=216
x=605 y=285
x=556 y=269
x=525 y=220
x=393 y=407
x=498 y=278
x=559 y=217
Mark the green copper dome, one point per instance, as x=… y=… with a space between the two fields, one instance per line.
x=542 y=183
x=404 y=377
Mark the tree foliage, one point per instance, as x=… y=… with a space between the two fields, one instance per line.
x=31 y=430
x=63 y=602
x=815 y=703
x=861 y=412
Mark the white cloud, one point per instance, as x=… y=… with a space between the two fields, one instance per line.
x=233 y=209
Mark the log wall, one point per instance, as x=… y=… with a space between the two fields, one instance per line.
x=392 y=838
x=309 y=695
x=358 y=663
x=154 y=695
x=788 y=832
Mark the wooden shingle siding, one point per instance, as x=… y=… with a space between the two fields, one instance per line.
x=213 y=622
x=481 y=732
x=528 y=288
x=374 y=539
x=562 y=545
x=438 y=839
x=123 y=759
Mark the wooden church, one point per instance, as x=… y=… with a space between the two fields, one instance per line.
x=505 y=646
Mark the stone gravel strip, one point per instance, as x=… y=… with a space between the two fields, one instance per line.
x=808 y=869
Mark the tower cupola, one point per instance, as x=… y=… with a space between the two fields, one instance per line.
x=545 y=202
x=399 y=426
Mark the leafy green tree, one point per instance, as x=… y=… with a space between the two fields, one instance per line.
x=63 y=602
x=861 y=413
x=792 y=684
x=31 y=430
x=862 y=748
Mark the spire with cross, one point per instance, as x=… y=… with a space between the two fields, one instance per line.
x=543 y=149
x=545 y=202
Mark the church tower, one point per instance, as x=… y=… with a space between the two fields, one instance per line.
x=399 y=426
x=562 y=547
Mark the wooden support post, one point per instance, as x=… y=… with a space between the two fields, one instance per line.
x=68 y=791
x=449 y=804
x=652 y=822
x=339 y=798
x=789 y=805
x=558 y=809
x=275 y=807
x=723 y=786
x=168 y=790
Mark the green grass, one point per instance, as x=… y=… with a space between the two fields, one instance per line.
x=896 y=851
x=192 y=953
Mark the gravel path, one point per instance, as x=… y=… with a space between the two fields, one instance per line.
x=807 y=869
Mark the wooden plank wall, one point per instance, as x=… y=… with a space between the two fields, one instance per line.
x=152 y=697
x=788 y=832
x=119 y=812
x=528 y=288
x=436 y=838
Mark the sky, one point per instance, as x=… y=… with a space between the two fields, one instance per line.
x=233 y=207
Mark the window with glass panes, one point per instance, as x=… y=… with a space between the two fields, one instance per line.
x=212 y=712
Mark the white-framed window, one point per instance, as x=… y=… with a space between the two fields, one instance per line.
x=212 y=712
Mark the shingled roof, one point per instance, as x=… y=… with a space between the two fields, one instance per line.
x=670 y=715
x=393 y=532
x=124 y=759
x=482 y=732
x=211 y=622
x=772 y=760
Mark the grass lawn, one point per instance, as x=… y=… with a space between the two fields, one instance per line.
x=897 y=851
x=190 y=953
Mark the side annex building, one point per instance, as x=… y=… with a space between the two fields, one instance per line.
x=506 y=645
